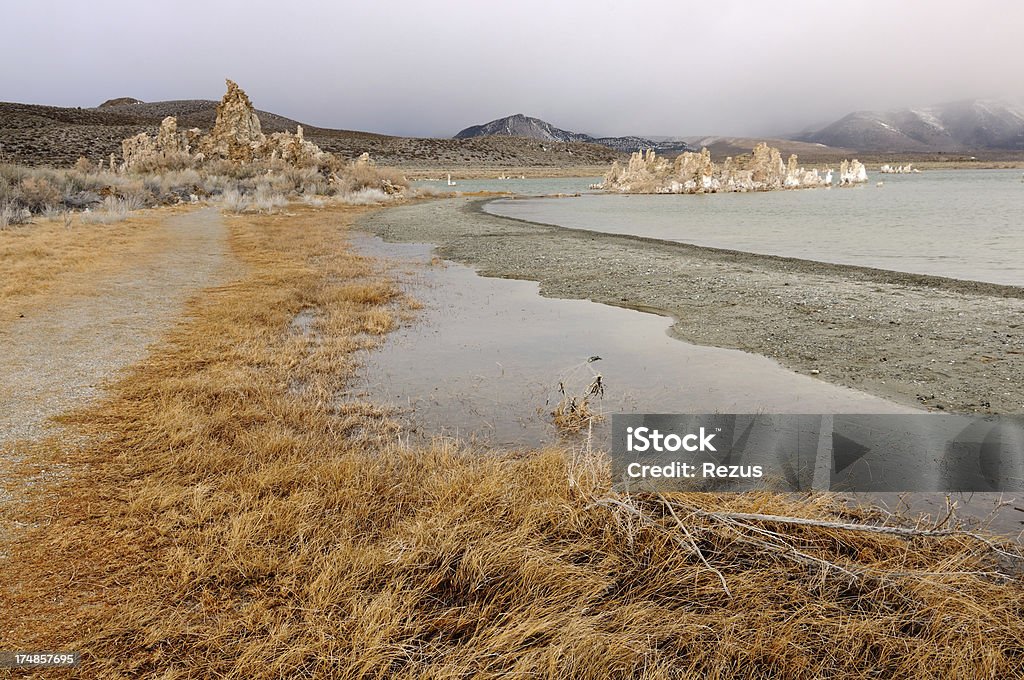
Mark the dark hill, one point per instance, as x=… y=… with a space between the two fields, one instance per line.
x=120 y=101
x=519 y=125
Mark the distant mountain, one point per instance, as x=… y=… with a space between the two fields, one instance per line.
x=665 y=147
x=119 y=101
x=519 y=125
x=974 y=124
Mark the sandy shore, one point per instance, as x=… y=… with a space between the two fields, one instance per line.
x=919 y=340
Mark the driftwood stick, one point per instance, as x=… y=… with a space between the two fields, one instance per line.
x=692 y=545
x=850 y=526
x=696 y=548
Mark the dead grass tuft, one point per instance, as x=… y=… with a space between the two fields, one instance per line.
x=378 y=321
x=574 y=413
x=377 y=292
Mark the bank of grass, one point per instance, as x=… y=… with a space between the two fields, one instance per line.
x=235 y=516
x=64 y=254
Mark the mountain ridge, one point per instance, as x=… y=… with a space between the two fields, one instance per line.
x=991 y=129
x=521 y=125
x=963 y=125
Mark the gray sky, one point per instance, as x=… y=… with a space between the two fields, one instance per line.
x=436 y=66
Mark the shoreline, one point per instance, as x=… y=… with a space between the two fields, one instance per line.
x=926 y=341
x=876 y=274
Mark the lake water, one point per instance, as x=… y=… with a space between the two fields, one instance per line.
x=484 y=358
x=966 y=224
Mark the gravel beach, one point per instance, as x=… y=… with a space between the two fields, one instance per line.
x=932 y=342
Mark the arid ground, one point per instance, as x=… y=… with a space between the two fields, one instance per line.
x=217 y=510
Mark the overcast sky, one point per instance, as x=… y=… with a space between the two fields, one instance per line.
x=435 y=66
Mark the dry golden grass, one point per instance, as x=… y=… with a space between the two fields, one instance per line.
x=234 y=518
x=47 y=255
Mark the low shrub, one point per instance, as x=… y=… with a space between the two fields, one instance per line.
x=38 y=192
x=262 y=187
x=11 y=214
x=364 y=196
x=114 y=209
x=234 y=201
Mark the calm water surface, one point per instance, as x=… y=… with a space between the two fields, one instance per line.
x=484 y=359
x=966 y=224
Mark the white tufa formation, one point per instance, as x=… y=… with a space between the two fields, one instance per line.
x=898 y=169
x=852 y=172
x=696 y=173
x=236 y=137
x=168 y=146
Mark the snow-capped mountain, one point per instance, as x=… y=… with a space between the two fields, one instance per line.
x=975 y=124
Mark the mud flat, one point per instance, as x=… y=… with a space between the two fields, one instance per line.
x=926 y=341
